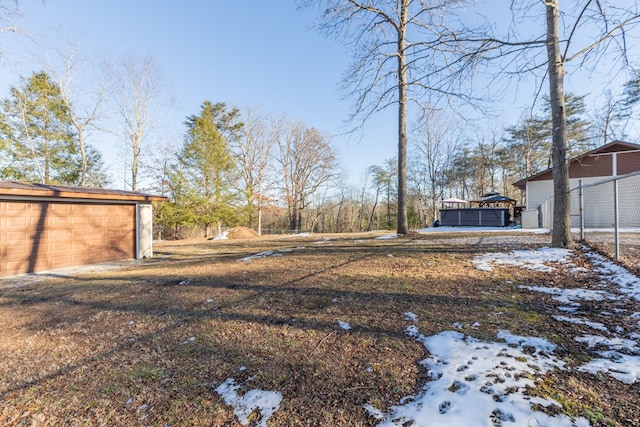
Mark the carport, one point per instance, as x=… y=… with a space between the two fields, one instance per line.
x=44 y=227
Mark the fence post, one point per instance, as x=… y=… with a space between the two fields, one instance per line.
x=581 y=209
x=615 y=218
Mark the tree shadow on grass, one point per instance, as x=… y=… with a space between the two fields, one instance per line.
x=289 y=303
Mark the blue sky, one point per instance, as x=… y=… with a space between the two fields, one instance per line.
x=250 y=53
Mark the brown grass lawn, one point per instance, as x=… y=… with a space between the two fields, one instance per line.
x=149 y=342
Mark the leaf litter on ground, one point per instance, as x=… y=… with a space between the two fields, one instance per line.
x=467 y=378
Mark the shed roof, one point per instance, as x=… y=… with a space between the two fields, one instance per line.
x=492 y=198
x=612 y=147
x=23 y=189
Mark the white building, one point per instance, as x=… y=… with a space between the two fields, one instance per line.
x=615 y=159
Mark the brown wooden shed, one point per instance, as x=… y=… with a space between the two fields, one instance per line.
x=44 y=227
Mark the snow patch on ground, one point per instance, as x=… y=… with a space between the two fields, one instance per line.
x=571 y=296
x=464 y=229
x=621 y=361
x=626 y=282
x=22 y=280
x=580 y=321
x=288 y=236
x=222 y=236
x=265 y=254
x=387 y=237
x=344 y=325
x=480 y=381
x=412 y=317
x=265 y=402
x=620 y=366
x=535 y=260
x=619 y=355
x=256 y=256
x=323 y=241
x=594 y=341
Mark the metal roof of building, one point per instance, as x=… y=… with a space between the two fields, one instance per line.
x=13 y=188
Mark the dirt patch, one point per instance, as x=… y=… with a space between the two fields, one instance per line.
x=241 y=233
x=149 y=343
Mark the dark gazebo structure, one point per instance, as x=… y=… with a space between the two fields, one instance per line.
x=491 y=210
x=493 y=200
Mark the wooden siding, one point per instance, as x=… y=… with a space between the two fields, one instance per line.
x=598 y=166
x=594 y=166
x=591 y=166
x=628 y=163
x=37 y=236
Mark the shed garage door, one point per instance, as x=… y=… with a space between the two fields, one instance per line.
x=38 y=236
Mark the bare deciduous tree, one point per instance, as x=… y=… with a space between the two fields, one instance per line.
x=135 y=88
x=401 y=48
x=307 y=162
x=82 y=120
x=609 y=121
x=436 y=144
x=383 y=183
x=253 y=150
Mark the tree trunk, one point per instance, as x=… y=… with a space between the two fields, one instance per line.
x=134 y=164
x=299 y=221
x=293 y=217
x=561 y=235
x=373 y=209
x=361 y=209
x=259 y=208
x=434 y=202
x=83 y=154
x=259 y=219
x=403 y=226
x=337 y=225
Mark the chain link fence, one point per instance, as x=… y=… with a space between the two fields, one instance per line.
x=608 y=217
